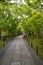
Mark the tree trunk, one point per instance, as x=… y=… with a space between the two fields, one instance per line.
x=0 y=34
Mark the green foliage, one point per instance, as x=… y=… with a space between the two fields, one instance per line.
x=25 y=17
x=4 y=0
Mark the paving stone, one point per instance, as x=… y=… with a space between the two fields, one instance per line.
x=16 y=58
x=15 y=63
x=17 y=51
x=24 y=53
x=16 y=55
x=6 y=62
x=24 y=56
x=26 y=61
x=10 y=53
x=8 y=56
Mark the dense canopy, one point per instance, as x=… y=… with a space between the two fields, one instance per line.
x=17 y=18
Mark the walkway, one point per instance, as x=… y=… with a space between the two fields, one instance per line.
x=17 y=54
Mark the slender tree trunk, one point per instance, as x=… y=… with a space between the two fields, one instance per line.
x=0 y=34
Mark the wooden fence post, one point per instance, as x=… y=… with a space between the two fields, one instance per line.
x=3 y=43
x=37 y=50
x=31 y=44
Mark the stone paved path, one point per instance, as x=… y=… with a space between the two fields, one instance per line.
x=17 y=54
